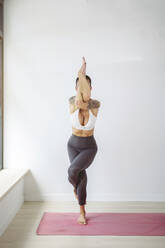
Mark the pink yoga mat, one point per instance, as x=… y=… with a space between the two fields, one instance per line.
x=116 y=224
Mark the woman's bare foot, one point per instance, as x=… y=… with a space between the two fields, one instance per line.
x=82 y=219
x=75 y=193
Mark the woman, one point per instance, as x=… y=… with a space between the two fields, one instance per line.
x=82 y=146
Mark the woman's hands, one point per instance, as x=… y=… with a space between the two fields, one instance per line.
x=83 y=67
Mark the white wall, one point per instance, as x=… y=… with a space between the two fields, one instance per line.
x=123 y=42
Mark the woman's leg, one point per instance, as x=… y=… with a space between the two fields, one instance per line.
x=72 y=152
x=81 y=188
x=76 y=172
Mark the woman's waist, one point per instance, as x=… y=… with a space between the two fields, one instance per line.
x=82 y=141
x=82 y=133
x=83 y=137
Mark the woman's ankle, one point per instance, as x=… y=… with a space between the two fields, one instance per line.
x=83 y=213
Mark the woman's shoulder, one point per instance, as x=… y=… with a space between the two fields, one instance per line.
x=71 y=99
x=94 y=103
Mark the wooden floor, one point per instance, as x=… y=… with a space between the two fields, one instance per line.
x=21 y=233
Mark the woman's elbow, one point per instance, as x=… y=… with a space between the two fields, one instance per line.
x=86 y=96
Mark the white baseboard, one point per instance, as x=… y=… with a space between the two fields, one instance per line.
x=95 y=197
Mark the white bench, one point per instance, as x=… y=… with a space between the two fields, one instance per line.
x=11 y=195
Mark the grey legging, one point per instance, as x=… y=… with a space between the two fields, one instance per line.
x=81 y=151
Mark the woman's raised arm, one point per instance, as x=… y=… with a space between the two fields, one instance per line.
x=83 y=85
